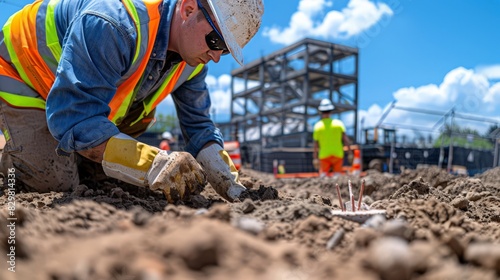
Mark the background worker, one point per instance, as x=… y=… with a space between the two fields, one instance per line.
x=168 y=139
x=329 y=141
x=80 y=79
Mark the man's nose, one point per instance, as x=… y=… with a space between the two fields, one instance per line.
x=215 y=55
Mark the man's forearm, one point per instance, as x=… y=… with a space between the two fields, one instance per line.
x=96 y=153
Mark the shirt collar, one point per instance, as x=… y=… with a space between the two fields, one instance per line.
x=161 y=42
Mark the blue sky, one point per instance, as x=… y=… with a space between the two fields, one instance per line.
x=428 y=54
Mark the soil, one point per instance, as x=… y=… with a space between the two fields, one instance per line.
x=436 y=226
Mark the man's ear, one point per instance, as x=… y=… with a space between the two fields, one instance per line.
x=188 y=8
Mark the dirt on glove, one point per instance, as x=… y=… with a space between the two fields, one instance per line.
x=437 y=226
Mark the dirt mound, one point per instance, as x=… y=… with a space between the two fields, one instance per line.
x=437 y=226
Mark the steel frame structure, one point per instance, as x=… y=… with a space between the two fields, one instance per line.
x=275 y=99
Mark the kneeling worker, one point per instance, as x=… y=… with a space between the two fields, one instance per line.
x=83 y=78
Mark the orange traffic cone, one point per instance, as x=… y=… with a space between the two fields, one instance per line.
x=356 y=163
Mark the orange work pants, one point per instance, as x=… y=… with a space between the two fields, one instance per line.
x=331 y=163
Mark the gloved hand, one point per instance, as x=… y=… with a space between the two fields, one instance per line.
x=177 y=174
x=221 y=172
x=316 y=163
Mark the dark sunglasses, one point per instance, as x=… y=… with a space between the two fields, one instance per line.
x=213 y=39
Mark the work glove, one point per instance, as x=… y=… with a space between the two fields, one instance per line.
x=316 y=164
x=221 y=172
x=177 y=174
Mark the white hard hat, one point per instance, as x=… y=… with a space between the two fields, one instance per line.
x=166 y=135
x=326 y=105
x=238 y=21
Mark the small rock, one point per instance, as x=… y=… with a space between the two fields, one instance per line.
x=375 y=222
x=247 y=206
x=79 y=190
x=420 y=186
x=199 y=201
x=117 y=192
x=303 y=194
x=318 y=199
x=370 y=185
x=391 y=258
x=250 y=225
x=461 y=203
x=335 y=239
x=201 y=211
x=140 y=216
x=89 y=193
x=397 y=228
x=475 y=196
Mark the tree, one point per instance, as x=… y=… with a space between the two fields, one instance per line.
x=490 y=130
x=462 y=137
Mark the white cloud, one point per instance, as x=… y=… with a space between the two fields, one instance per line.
x=310 y=21
x=491 y=72
x=313 y=7
x=465 y=90
x=220 y=94
x=493 y=95
x=370 y=117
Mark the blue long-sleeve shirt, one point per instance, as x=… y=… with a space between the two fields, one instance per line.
x=98 y=41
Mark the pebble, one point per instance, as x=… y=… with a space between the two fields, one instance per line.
x=391 y=258
x=375 y=222
x=79 y=190
x=397 y=228
x=461 y=203
x=250 y=225
x=247 y=206
x=335 y=239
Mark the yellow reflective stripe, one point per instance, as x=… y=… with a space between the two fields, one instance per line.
x=196 y=71
x=22 y=101
x=51 y=30
x=12 y=52
x=148 y=103
x=122 y=110
x=6 y=134
x=133 y=12
x=151 y=101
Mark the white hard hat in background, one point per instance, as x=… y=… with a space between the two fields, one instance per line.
x=166 y=135
x=326 y=105
x=238 y=21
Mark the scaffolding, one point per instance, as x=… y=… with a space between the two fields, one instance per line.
x=275 y=99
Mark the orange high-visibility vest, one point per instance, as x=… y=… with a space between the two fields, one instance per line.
x=33 y=61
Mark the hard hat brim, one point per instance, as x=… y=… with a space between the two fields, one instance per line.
x=231 y=43
x=326 y=108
